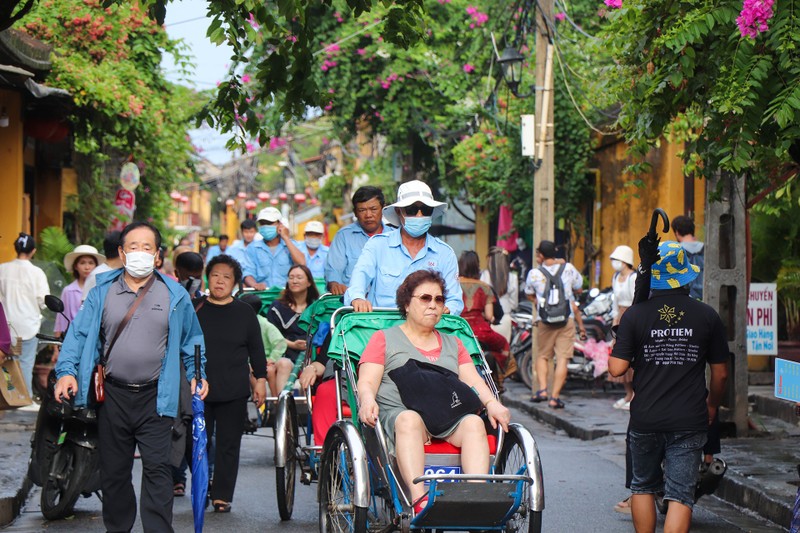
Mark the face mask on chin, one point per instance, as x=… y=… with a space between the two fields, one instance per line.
x=192 y=285
x=417 y=226
x=139 y=264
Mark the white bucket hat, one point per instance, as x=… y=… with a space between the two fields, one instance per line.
x=82 y=249
x=623 y=253
x=409 y=193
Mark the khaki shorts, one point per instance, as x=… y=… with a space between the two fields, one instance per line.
x=556 y=341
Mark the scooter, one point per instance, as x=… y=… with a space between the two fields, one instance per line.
x=64 y=446
x=520 y=345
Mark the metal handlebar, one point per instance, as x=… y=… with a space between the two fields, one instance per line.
x=48 y=338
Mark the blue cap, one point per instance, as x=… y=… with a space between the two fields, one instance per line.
x=673 y=270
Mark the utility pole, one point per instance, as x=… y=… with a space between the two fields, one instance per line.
x=544 y=177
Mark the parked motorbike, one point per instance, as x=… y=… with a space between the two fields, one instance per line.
x=520 y=345
x=597 y=310
x=64 y=446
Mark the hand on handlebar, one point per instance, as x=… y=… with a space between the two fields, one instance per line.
x=361 y=305
x=368 y=412
x=337 y=288
x=66 y=388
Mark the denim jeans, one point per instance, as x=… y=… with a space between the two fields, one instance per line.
x=27 y=359
x=680 y=452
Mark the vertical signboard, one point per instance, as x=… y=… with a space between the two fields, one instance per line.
x=762 y=319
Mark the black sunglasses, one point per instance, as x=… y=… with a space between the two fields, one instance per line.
x=411 y=210
x=426 y=298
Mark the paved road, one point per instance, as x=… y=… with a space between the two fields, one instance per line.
x=583 y=480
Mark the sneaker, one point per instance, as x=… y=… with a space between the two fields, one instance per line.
x=626 y=406
x=32 y=408
x=619 y=403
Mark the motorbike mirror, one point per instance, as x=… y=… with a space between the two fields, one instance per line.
x=594 y=292
x=54 y=303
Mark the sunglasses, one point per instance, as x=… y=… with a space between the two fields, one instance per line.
x=411 y=210
x=426 y=298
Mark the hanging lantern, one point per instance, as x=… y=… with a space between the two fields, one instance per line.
x=241 y=195
x=185 y=199
x=263 y=196
x=250 y=205
x=230 y=202
x=274 y=201
x=313 y=201
x=175 y=195
x=300 y=198
x=283 y=196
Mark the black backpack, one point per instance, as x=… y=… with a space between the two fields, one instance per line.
x=554 y=314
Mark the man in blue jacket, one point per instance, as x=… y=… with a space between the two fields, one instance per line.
x=145 y=358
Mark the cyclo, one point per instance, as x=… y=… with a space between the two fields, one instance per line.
x=360 y=488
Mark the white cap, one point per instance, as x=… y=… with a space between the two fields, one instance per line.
x=314 y=226
x=82 y=249
x=623 y=253
x=269 y=214
x=409 y=193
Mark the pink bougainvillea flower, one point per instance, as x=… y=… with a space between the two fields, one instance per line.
x=338 y=17
x=616 y=4
x=443 y=2
x=252 y=21
x=468 y=68
x=246 y=78
x=478 y=18
x=250 y=148
x=754 y=17
x=329 y=106
x=291 y=38
x=561 y=16
x=331 y=91
x=332 y=49
x=361 y=51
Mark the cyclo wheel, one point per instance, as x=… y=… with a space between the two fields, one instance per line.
x=337 y=513
x=63 y=482
x=513 y=457
x=285 y=476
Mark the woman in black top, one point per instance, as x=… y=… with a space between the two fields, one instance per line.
x=233 y=348
x=284 y=314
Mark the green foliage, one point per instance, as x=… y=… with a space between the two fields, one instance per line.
x=737 y=100
x=109 y=60
x=52 y=246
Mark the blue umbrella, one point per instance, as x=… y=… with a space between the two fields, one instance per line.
x=199 y=451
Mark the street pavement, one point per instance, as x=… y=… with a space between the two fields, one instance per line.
x=583 y=481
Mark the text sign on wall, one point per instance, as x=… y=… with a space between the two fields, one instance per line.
x=762 y=319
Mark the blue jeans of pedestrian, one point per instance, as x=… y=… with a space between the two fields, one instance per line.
x=680 y=453
x=27 y=359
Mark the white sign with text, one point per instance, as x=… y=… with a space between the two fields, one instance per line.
x=762 y=319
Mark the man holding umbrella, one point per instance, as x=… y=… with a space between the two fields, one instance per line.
x=142 y=327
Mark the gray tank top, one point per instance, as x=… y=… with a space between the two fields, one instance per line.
x=398 y=351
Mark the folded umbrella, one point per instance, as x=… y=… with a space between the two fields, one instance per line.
x=199 y=450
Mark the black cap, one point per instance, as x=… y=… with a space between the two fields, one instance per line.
x=547 y=249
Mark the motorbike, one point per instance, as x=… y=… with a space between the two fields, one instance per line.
x=597 y=311
x=64 y=458
x=520 y=346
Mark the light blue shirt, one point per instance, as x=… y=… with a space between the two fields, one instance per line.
x=344 y=253
x=268 y=266
x=385 y=263
x=214 y=251
x=237 y=251
x=316 y=262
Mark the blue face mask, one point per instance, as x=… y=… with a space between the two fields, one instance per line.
x=417 y=226
x=268 y=232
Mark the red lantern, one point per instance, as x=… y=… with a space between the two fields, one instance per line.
x=241 y=195
x=300 y=198
x=274 y=201
x=250 y=204
x=185 y=199
x=263 y=196
x=230 y=202
x=313 y=201
x=283 y=196
x=175 y=195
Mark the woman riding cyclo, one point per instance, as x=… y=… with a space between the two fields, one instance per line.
x=420 y=299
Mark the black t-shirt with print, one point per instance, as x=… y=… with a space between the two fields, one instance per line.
x=669 y=339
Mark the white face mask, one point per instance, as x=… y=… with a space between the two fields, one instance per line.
x=313 y=242
x=617 y=265
x=139 y=264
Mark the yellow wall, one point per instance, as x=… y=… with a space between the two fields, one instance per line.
x=11 y=175
x=625 y=212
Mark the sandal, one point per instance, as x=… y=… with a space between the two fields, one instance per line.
x=556 y=403
x=221 y=506
x=624 y=506
x=179 y=490
x=540 y=396
x=420 y=504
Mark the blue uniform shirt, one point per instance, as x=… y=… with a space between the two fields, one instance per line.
x=214 y=251
x=316 y=262
x=238 y=252
x=344 y=252
x=266 y=266
x=385 y=263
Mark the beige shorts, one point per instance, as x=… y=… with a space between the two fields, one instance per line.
x=556 y=341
